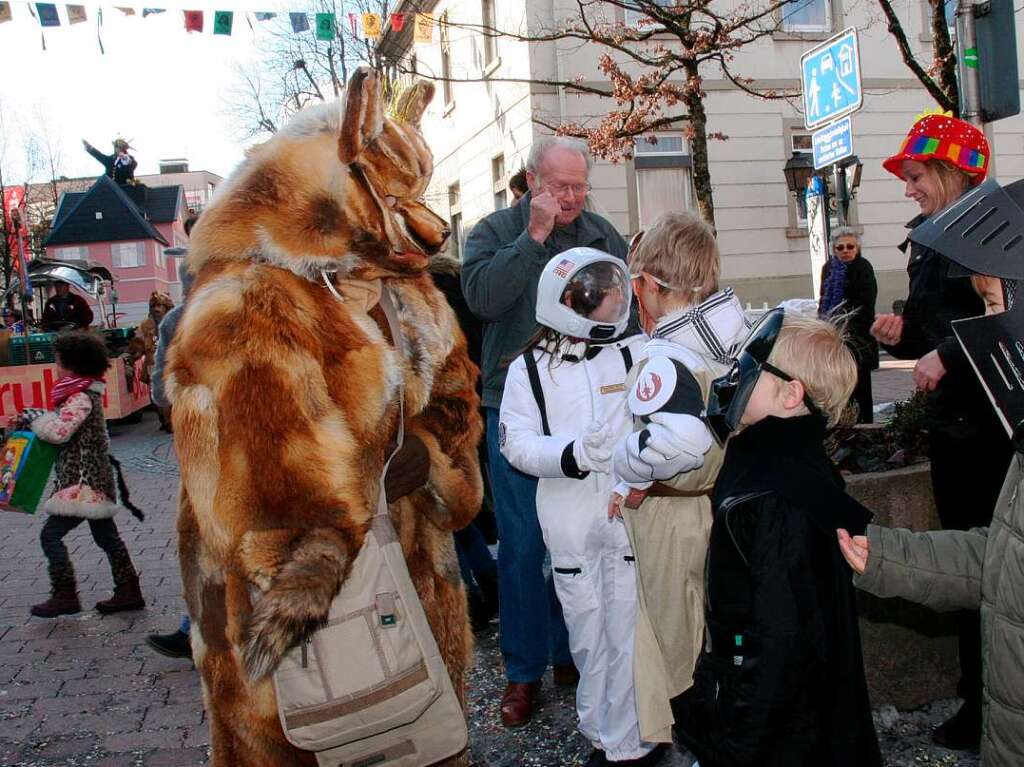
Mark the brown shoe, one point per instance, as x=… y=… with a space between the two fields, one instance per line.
x=517 y=703
x=565 y=676
x=127 y=596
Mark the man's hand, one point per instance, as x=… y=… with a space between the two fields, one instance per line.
x=856 y=550
x=888 y=329
x=928 y=371
x=543 y=209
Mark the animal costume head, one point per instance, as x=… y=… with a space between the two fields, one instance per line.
x=335 y=190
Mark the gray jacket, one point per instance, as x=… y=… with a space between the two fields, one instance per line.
x=501 y=266
x=165 y=334
x=957 y=570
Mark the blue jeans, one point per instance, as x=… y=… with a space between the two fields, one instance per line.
x=474 y=556
x=528 y=636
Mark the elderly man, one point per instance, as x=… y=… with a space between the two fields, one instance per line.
x=504 y=256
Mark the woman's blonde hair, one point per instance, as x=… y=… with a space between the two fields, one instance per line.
x=681 y=251
x=952 y=181
x=815 y=353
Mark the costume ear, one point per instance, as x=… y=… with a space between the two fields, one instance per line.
x=413 y=103
x=363 y=119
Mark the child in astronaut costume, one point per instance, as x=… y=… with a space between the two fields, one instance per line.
x=562 y=412
x=669 y=463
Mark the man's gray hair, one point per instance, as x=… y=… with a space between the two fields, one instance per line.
x=544 y=144
x=844 y=231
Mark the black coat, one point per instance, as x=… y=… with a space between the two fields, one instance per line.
x=958 y=407
x=780 y=682
x=859 y=297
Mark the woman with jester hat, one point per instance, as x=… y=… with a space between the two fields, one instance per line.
x=940 y=160
x=978 y=568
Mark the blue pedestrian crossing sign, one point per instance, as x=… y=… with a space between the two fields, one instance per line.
x=830 y=76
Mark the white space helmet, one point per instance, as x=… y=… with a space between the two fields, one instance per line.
x=584 y=293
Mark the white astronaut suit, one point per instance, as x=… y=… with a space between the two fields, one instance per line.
x=566 y=439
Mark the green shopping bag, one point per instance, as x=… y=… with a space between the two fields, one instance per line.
x=25 y=467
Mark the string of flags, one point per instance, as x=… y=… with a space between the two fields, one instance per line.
x=222 y=22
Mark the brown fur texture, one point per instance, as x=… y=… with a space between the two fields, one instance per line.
x=286 y=399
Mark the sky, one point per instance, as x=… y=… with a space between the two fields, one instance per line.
x=156 y=85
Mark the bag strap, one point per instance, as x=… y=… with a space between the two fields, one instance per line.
x=538 y=392
x=397 y=337
x=627 y=358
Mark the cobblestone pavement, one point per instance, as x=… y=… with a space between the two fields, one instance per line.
x=84 y=689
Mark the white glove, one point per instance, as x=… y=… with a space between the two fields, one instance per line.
x=593 y=449
x=676 y=443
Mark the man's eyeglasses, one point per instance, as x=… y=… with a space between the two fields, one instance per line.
x=841 y=248
x=576 y=189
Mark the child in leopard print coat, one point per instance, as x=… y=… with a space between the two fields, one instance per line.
x=84 y=487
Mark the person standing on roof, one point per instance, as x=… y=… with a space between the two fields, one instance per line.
x=120 y=165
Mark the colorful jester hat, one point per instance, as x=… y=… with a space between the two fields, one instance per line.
x=941 y=136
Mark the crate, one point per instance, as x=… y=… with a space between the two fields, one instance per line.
x=37 y=351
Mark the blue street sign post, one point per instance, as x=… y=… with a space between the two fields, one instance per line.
x=831 y=80
x=832 y=143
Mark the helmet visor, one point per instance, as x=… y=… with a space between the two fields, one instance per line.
x=600 y=293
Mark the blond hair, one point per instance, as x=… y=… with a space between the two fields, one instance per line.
x=680 y=250
x=815 y=353
x=952 y=181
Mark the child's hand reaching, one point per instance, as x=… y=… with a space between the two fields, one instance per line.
x=615 y=506
x=856 y=550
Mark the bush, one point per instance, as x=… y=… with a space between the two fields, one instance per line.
x=902 y=441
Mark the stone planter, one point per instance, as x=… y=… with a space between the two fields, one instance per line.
x=910 y=653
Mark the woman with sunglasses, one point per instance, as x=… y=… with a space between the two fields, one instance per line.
x=848 y=287
x=941 y=159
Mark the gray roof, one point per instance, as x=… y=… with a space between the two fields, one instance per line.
x=128 y=213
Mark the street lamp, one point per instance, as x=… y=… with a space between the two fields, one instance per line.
x=798 y=171
x=846 y=186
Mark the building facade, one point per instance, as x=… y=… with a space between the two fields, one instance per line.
x=481 y=131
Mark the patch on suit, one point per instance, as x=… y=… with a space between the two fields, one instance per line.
x=502 y=436
x=613 y=388
x=666 y=385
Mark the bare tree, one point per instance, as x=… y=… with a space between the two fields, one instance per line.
x=938 y=76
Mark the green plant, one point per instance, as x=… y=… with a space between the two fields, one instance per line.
x=900 y=442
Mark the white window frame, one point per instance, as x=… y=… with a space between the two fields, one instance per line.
x=637 y=19
x=72 y=253
x=797 y=29
x=117 y=254
x=455 y=219
x=158 y=255
x=658 y=157
x=499 y=181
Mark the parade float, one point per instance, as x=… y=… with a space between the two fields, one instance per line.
x=28 y=369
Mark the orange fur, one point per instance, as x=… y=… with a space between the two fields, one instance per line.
x=286 y=399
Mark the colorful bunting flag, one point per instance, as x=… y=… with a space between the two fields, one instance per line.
x=371 y=26
x=151 y=11
x=222 y=21
x=5 y=12
x=125 y=10
x=397 y=22
x=48 y=15
x=193 y=21
x=353 y=22
x=76 y=14
x=424 y=32
x=264 y=15
x=300 y=22
x=325 y=29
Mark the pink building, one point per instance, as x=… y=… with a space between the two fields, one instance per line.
x=125 y=228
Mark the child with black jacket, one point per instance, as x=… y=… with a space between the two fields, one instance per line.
x=780 y=682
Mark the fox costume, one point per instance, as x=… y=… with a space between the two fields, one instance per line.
x=286 y=388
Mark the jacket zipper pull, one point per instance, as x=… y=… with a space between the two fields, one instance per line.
x=737 y=659
x=305 y=653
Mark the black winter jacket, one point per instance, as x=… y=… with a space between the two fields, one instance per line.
x=780 y=682
x=859 y=299
x=958 y=407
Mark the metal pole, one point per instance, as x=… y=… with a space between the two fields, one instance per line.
x=967 y=62
x=842 y=194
